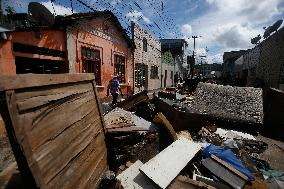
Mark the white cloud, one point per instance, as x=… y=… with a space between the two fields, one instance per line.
x=186 y=30
x=217 y=58
x=230 y=24
x=136 y=15
x=234 y=36
x=59 y=9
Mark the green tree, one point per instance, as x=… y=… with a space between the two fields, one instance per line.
x=10 y=10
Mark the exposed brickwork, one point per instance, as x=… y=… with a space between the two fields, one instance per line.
x=151 y=57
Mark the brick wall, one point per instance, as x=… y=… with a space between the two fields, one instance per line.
x=265 y=61
x=271 y=59
x=151 y=57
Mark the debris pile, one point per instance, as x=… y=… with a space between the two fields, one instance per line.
x=171 y=141
x=239 y=104
x=223 y=158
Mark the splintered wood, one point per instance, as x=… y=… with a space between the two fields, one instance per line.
x=58 y=128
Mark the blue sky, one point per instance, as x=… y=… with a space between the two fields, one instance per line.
x=223 y=25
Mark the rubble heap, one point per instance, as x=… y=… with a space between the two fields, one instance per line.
x=239 y=104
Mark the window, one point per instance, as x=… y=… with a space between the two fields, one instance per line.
x=154 y=72
x=141 y=75
x=172 y=74
x=92 y=63
x=144 y=44
x=119 y=67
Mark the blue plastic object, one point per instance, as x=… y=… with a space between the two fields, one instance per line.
x=229 y=157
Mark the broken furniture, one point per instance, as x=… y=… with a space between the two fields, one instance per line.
x=55 y=128
x=133 y=100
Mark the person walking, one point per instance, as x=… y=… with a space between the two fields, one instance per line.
x=113 y=87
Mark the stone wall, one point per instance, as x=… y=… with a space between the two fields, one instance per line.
x=151 y=57
x=233 y=104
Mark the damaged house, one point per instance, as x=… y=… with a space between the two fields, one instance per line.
x=79 y=43
x=147 y=59
x=97 y=43
x=33 y=49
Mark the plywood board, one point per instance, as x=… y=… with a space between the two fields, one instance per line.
x=164 y=167
x=56 y=128
x=132 y=178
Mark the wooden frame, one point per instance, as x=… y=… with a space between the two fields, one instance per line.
x=55 y=128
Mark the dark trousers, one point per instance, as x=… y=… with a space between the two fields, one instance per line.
x=114 y=98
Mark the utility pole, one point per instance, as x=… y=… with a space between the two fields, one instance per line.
x=194 y=37
x=193 y=55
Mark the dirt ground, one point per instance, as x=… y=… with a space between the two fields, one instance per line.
x=6 y=154
x=274 y=153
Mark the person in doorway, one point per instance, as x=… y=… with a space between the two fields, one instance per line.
x=113 y=87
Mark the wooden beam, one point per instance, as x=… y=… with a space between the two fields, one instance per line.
x=38 y=80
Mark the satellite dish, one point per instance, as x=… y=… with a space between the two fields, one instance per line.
x=41 y=14
x=255 y=39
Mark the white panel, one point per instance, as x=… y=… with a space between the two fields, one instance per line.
x=164 y=167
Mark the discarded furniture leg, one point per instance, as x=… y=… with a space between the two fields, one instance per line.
x=161 y=119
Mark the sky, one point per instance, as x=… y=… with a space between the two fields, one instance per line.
x=221 y=25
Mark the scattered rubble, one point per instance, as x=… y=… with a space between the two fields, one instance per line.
x=163 y=143
x=238 y=104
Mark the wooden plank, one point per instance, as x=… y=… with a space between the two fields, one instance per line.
x=225 y=164
x=132 y=178
x=162 y=120
x=165 y=166
x=50 y=96
x=50 y=158
x=133 y=100
x=127 y=129
x=183 y=182
x=58 y=127
x=86 y=159
x=223 y=173
x=24 y=94
x=45 y=127
x=119 y=125
x=38 y=80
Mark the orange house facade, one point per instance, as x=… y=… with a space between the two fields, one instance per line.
x=79 y=43
x=97 y=43
x=40 y=52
